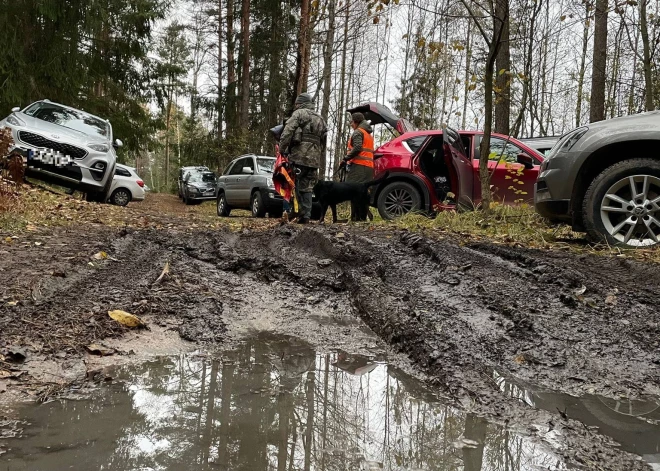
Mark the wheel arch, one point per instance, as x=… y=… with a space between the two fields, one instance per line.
x=414 y=180
x=601 y=159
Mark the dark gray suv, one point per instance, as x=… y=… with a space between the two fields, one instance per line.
x=247 y=183
x=604 y=179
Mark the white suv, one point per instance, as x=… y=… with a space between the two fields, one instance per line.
x=66 y=146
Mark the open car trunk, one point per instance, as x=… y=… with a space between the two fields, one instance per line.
x=376 y=113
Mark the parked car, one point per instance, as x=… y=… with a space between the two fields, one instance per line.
x=66 y=146
x=247 y=183
x=604 y=179
x=126 y=186
x=199 y=186
x=542 y=145
x=436 y=170
x=183 y=171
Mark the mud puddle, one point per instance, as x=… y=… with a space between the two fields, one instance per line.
x=634 y=424
x=273 y=403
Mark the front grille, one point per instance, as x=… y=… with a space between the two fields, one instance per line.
x=40 y=141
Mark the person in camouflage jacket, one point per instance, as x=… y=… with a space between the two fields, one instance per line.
x=304 y=141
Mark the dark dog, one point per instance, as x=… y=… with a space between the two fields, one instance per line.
x=330 y=194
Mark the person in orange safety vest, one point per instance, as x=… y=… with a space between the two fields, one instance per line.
x=359 y=160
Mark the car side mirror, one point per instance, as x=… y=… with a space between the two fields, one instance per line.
x=118 y=143
x=247 y=170
x=15 y=109
x=526 y=160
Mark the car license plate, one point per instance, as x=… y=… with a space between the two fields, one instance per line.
x=49 y=157
x=209 y=192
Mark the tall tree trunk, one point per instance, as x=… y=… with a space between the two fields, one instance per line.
x=484 y=174
x=230 y=100
x=581 y=72
x=302 y=60
x=327 y=71
x=245 y=74
x=648 y=65
x=342 y=84
x=168 y=121
x=468 y=64
x=219 y=104
x=597 y=105
x=633 y=79
x=503 y=81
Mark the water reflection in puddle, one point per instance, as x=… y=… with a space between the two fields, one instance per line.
x=634 y=424
x=270 y=405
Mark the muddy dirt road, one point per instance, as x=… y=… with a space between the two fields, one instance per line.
x=491 y=326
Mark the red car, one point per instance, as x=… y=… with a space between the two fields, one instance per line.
x=436 y=170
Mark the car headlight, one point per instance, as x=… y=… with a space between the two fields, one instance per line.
x=573 y=139
x=567 y=142
x=99 y=147
x=269 y=182
x=15 y=121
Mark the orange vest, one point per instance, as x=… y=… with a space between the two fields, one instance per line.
x=366 y=157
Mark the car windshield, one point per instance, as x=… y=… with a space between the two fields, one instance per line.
x=68 y=118
x=208 y=177
x=194 y=177
x=265 y=165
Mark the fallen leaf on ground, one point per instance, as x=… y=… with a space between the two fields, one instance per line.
x=611 y=300
x=126 y=319
x=96 y=349
x=12 y=303
x=100 y=256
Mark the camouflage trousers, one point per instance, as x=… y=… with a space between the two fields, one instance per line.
x=305 y=181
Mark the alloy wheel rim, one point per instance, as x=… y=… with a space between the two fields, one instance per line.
x=255 y=206
x=630 y=210
x=121 y=198
x=398 y=202
x=221 y=204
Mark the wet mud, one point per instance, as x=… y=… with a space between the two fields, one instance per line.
x=466 y=316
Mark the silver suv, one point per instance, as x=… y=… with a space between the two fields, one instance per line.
x=66 y=146
x=604 y=179
x=247 y=183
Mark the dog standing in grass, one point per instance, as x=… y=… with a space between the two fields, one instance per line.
x=359 y=160
x=330 y=194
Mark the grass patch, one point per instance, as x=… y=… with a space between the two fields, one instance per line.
x=518 y=226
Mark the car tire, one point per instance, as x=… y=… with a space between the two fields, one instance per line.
x=186 y=200
x=619 y=207
x=222 y=206
x=121 y=197
x=397 y=199
x=257 y=205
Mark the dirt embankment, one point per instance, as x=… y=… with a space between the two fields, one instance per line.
x=575 y=324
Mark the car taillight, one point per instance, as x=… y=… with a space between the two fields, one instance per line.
x=141 y=183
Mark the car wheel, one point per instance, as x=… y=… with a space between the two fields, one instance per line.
x=622 y=205
x=257 y=205
x=223 y=207
x=121 y=197
x=397 y=199
x=186 y=200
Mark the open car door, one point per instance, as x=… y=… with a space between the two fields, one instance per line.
x=453 y=146
x=376 y=113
